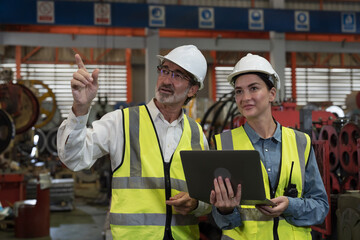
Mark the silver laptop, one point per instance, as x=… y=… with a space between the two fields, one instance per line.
x=240 y=166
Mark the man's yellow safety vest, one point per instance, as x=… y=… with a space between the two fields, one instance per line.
x=143 y=181
x=295 y=148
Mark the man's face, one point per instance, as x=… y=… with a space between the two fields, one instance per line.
x=173 y=85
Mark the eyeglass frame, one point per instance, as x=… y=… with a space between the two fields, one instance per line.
x=161 y=68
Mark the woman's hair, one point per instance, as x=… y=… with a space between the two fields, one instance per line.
x=265 y=77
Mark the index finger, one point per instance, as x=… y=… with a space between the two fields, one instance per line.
x=178 y=196
x=79 y=62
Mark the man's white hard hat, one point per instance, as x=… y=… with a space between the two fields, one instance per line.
x=190 y=59
x=254 y=63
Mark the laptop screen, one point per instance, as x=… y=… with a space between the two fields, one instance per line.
x=240 y=166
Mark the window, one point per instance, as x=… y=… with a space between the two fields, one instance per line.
x=323 y=84
x=112 y=81
x=222 y=85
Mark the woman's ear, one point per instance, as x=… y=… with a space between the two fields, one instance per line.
x=272 y=94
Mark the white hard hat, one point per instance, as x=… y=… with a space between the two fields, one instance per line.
x=254 y=63
x=190 y=59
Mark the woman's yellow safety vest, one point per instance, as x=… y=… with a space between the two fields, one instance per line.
x=142 y=183
x=295 y=148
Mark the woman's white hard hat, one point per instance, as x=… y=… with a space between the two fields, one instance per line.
x=254 y=63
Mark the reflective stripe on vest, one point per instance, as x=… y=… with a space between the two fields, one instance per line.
x=255 y=224
x=153 y=219
x=147 y=183
x=138 y=185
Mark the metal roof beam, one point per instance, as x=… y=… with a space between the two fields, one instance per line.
x=218 y=44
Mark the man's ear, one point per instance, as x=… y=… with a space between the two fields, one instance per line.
x=193 y=90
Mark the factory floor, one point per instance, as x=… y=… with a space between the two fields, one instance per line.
x=86 y=221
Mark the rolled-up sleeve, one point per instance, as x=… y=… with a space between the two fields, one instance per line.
x=79 y=147
x=228 y=221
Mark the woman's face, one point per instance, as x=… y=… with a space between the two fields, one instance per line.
x=252 y=96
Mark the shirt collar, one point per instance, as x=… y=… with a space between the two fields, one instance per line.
x=254 y=137
x=156 y=114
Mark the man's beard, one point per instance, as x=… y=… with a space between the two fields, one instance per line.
x=171 y=97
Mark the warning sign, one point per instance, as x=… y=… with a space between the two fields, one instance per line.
x=45 y=12
x=102 y=14
x=256 y=19
x=206 y=18
x=302 y=21
x=348 y=22
x=156 y=16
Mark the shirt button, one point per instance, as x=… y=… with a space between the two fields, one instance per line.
x=269 y=169
x=266 y=150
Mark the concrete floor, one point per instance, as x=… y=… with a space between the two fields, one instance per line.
x=85 y=222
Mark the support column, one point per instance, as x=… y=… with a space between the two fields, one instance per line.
x=278 y=52
x=151 y=61
x=278 y=59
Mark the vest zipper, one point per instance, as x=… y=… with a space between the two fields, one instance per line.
x=168 y=234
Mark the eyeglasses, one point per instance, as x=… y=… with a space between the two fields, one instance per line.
x=176 y=75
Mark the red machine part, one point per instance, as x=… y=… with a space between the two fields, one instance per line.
x=334 y=183
x=314 y=135
x=12 y=189
x=287 y=115
x=349 y=183
x=321 y=150
x=348 y=148
x=329 y=133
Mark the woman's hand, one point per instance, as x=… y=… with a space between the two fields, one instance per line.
x=281 y=205
x=223 y=197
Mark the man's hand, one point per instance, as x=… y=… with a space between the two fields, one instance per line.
x=223 y=198
x=182 y=203
x=84 y=87
x=281 y=205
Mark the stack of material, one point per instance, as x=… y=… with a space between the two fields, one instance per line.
x=61 y=194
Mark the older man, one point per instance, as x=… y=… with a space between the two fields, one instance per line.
x=149 y=192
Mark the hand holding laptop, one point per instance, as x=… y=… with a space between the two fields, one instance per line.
x=239 y=166
x=281 y=202
x=223 y=196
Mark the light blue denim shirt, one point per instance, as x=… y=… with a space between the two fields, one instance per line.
x=309 y=210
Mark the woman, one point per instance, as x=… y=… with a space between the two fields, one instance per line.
x=299 y=203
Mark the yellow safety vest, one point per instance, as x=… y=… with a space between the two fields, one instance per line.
x=295 y=147
x=143 y=181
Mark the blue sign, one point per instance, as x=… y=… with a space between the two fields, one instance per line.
x=302 y=21
x=256 y=19
x=156 y=16
x=206 y=18
x=136 y=15
x=348 y=22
